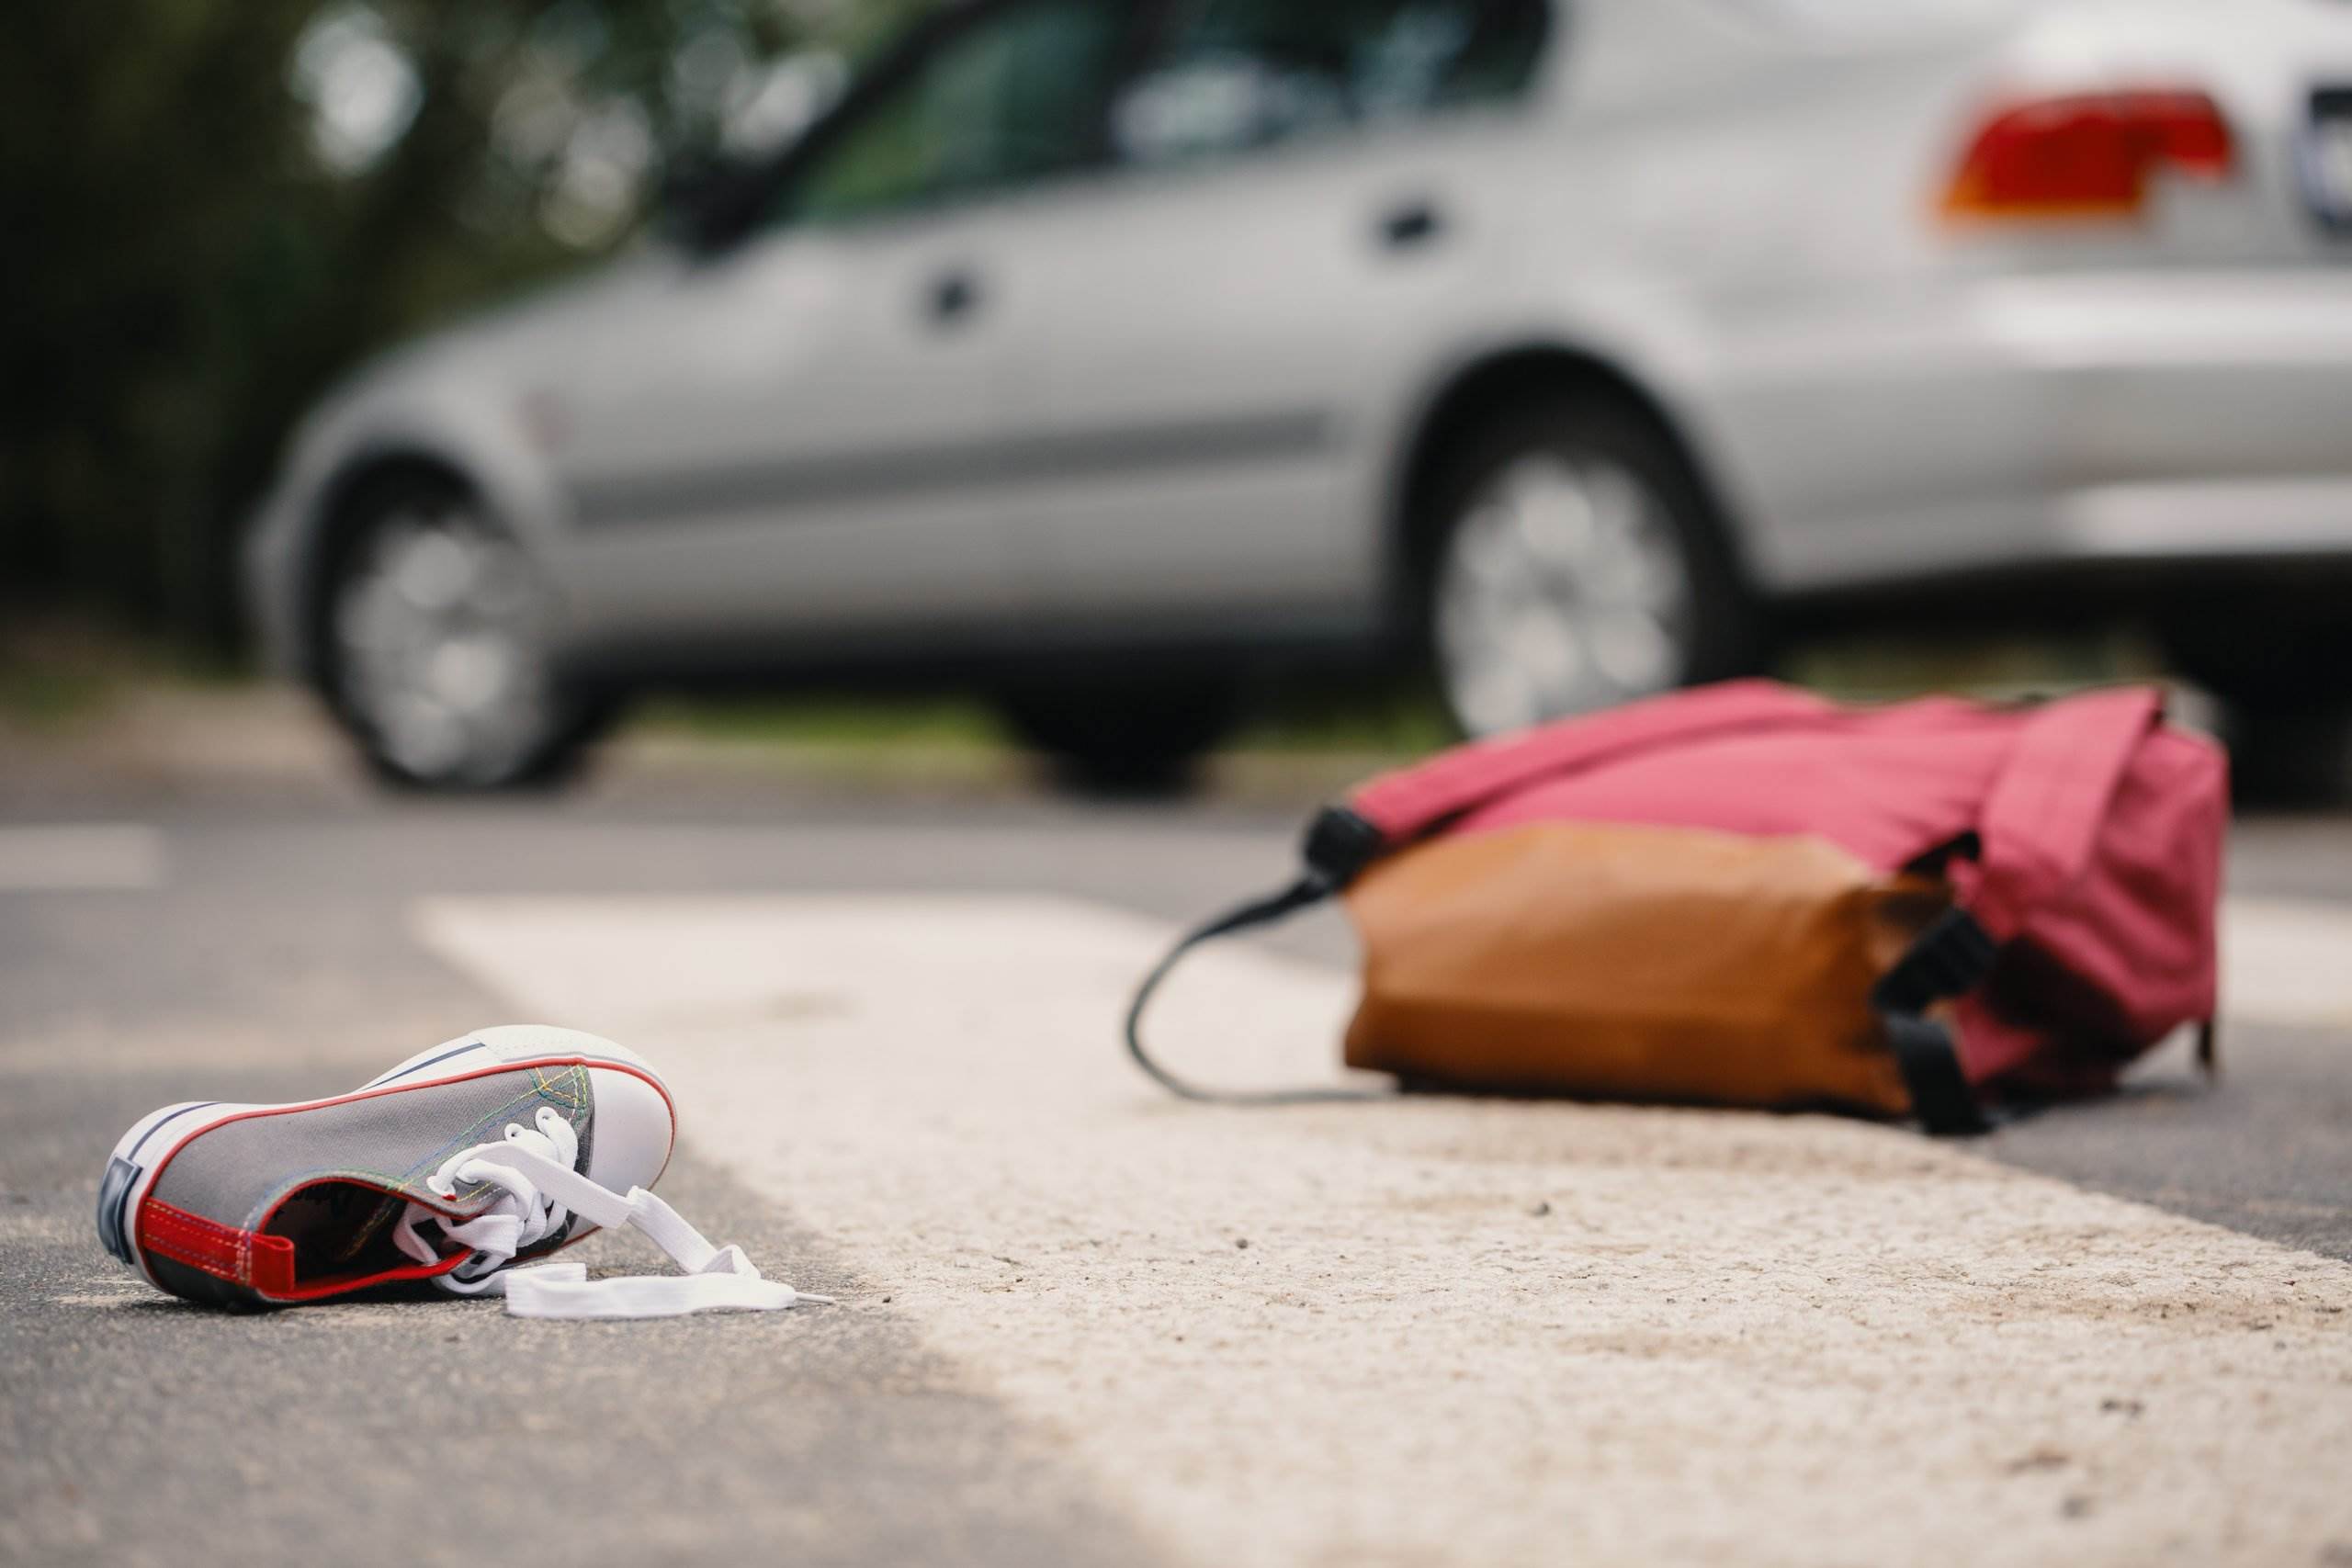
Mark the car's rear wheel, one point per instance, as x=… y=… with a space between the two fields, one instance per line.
x=1572 y=563
x=433 y=631
x=1139 y=736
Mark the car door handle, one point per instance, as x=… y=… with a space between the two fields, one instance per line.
x=1410 y=225
x=952 y=296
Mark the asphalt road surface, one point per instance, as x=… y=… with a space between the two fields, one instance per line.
x=1082 y=1324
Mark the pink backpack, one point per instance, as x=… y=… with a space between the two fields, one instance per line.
x=2073 y=849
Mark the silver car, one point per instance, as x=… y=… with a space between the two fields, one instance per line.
x=1112 y=358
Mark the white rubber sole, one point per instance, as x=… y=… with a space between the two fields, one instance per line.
x=634 y=1126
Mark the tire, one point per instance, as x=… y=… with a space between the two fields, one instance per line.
x=1570 y=561
x=1132 y=739
x=430 y=632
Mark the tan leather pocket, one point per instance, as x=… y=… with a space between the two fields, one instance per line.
x=1624 y=962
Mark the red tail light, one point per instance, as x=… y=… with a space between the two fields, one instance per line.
x=2088 y=155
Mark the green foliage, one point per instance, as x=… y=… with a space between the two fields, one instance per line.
x=184 y=271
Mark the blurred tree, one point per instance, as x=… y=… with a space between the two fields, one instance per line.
x=213 y=207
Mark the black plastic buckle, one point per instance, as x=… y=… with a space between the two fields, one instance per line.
x=1949 y=958
x=1340 y=844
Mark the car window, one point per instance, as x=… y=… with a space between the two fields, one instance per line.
x=1016 y=96
x=1226 y=76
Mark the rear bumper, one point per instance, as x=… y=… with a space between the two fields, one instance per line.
x=2050 y=420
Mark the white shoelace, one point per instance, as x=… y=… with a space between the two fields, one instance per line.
x=539 y=1191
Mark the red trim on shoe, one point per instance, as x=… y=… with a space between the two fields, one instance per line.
x=339 y=1284
x=336 y=1284
x=259 y=1262
x=342 y=1284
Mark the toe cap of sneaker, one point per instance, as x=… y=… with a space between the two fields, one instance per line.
x=635 y=1128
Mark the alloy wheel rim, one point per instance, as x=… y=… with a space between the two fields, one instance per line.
x=441 y=631
x=1563 y=589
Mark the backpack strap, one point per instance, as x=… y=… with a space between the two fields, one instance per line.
x=1949 y=958
x=1403 y=805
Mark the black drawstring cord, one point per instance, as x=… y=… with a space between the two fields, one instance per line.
x=1338 y=845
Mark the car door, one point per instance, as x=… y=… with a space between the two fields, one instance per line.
x=794 y=441
x=1205 y=330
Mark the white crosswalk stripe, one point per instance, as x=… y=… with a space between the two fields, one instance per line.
x=2287 y=962
x=1457 y=1331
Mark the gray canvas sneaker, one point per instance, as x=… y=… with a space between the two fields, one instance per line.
x=490 y=1150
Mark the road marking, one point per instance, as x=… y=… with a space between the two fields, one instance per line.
x=2287 y=962
x=81 y=857
x=1456 y=1330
